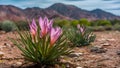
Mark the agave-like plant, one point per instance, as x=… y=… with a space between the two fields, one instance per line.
x=80 y=36
x=43 y=44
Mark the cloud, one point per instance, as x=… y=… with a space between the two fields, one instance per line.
x=74 y=0
x=113 y=9
x=107 y=0
x=116 y=2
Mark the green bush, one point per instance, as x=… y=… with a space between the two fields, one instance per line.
x=116 y=27
x=80 y=37
x=113 y=22
x=100 y=28
x=101 y=23
x=74 y=23
x=61 y=23
x=22 y=25
x=8 y=26
x=0 y=26
x=84 y=22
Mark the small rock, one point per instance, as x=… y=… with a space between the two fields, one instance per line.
x=2 y=32
x=111 y=39
x=98 y=50
x=118 y=52
x=75 y=54
x=102 y=39
x=19 y=63
x=6 y=44
x=98 y=46
x=105 y=44
x=1 y=47
x=1 y=54
x=78 y=67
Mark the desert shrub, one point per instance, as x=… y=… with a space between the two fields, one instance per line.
x=116 y=27
x=96 y=28
x=61 y=23
x=0 y=26
x=108 y=28
x=113 y=22
x=103 y=23
x=93 y=23
x=8 y=26
x=74 y=23
x=100 y=28
x=84 y=22
x=43 y=44
x=22 y=25
x=80 y=36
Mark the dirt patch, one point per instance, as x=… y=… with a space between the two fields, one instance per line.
x=84 y=58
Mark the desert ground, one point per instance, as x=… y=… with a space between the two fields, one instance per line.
x=103 y=53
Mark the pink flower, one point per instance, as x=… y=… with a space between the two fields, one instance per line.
x=45 y=26
x=55 y=34
x=33 y=28
x=80 y=28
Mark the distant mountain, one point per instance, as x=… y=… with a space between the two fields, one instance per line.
x=77 y=13
x=9 y=12
x=37 y=12
x=57 y=10
x=71 y=11
x=100 y=14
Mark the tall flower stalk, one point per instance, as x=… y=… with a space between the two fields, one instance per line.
x=48 y=45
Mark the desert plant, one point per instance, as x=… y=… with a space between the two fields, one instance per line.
x=61 y=23
x=84 y=22
x=43 y=44
x=0 y=26
x=8 y=26
x=80 y=36
x=74 y=23
x=22 y=25
x=116 y=27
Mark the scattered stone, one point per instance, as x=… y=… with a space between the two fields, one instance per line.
x=1 y=47
x=111 y=39
x=98 y=50
x=118 y=52
x=98 y=46
x=75 y=54
x=6 y=44
x=78 y=67
x=105 y=44
x=2 y=32
x=1 y=54
x=102 y=39
x=19 y=63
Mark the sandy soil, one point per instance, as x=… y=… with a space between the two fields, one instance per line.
x=107 y=40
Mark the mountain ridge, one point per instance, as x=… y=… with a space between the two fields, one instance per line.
x=57 y=10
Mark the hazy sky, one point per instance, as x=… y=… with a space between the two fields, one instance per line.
x=112 y=6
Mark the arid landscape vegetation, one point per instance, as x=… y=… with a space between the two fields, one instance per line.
x=53 y=38
x=103 y=53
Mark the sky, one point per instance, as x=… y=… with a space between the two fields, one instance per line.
x=112 y=6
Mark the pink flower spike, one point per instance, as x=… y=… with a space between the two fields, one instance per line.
x=80 y=28
x=49 y=25
x=45 y=26
x=55 y=34
x=33 y=28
